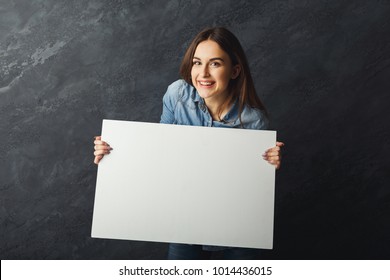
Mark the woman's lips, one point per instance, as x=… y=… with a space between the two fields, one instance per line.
x=206 y=83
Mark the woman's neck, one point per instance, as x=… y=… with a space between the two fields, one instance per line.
x=214 y=105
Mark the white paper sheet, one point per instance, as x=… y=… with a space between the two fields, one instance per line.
x=185 y=184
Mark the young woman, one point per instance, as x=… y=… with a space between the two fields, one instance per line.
x=216 y=90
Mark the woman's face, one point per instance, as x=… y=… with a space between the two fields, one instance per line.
x=211 y=71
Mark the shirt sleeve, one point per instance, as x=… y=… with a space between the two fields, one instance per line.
x=262 y=123
x=253 y=118
x=170 y=99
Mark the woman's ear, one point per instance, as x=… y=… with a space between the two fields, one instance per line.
x=236 y=71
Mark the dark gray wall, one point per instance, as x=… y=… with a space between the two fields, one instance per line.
x=321 y=68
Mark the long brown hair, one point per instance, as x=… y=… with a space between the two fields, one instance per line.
x=241 y=88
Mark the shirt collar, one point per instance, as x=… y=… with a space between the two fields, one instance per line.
x=195 y=95
x=233 y=112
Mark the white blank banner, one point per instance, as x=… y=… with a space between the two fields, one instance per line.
x=185 y=184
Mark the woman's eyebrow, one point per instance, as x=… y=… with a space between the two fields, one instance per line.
x=211 y=59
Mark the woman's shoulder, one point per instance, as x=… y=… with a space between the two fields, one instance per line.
x=179 y=88
x=254 y=118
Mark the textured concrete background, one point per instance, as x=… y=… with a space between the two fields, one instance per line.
x=321 y=67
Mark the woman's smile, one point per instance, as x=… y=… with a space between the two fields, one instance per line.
x=206 y=84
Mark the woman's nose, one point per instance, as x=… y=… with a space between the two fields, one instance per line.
x=205 y=71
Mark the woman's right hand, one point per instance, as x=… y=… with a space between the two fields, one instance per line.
x=101 y=149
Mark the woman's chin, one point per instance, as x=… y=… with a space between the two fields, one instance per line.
x=206 y=93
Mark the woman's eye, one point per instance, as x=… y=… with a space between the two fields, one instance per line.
x=214 y=64
x=196 y=63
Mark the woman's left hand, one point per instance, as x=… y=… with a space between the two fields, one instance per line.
x=273 y=155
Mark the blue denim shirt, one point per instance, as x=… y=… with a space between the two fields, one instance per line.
x=182 y=105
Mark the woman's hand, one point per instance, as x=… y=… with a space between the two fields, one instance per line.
x=273 y=155
x=101 y=149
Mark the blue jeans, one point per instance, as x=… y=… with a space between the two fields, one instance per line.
x=196 y=252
